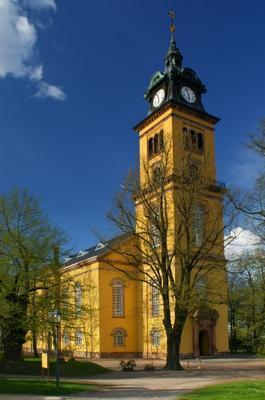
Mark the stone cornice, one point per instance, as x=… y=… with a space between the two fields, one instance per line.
x=171 y=104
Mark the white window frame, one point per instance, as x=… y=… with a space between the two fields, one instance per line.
x=198 y=222
x=119 y=335
x=155 y=337
x=118 y=301
x=154 y=234
x=66 y=338
x=155 y=301
x=79 y=338
x=78 y=299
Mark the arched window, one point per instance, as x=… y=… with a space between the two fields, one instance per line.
x=66 y=339
x=119 y=335
x=193 y=139
x=186 y=138
x=155 y=337
x=118 y=298
x=156 y=144
x=78 y=299
x=79 y=338
x=198 y=221
x=161 y=140
x=200 y=143
x=150 y=147
x=155 y=301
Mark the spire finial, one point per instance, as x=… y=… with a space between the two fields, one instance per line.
x=173 y=58
x=172 y=15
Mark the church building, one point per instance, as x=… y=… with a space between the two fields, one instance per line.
x=116 y=315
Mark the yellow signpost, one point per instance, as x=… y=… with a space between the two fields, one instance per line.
x=45 y=363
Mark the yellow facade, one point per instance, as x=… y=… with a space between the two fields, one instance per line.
x=172 y=122
x=97 y=278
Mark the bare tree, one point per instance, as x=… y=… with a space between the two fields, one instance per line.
x=257 y=141
x=177 y=238
x=251 y=203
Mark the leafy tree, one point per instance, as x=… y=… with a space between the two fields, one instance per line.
x=246 y=282
x=247 y=302
x=27 y=241
x=79 y=310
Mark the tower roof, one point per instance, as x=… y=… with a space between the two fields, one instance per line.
x=176 y=84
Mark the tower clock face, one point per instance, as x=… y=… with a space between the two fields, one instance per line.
x=188 y=94
x=158 y=98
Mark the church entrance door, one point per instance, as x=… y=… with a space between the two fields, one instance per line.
x=204 y=335
x=204 y=343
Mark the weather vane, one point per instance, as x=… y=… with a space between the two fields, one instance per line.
x=172 y=15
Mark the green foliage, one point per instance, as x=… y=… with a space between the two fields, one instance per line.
x=27 y=243
x=244 y=390
x=46 y=388
x=247 y=303
x=261 y=349
x=247 y=273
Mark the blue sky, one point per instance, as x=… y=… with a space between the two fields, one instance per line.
x=72 y=79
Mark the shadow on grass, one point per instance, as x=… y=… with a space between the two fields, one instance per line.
x=30 y=386
x=32 y=367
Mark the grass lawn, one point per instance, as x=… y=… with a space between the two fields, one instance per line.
x=32 y=366
x=243 y=390
x=30 y=386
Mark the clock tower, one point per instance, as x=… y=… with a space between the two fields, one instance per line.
x=176 y=85
x=178 y=125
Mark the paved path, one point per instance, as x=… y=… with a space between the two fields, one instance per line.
x=161 y=384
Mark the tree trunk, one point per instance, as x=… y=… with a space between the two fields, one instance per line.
x=13 y=339
x=14 y=332
x=34 y=344
x=173 y=351
x=173 y=335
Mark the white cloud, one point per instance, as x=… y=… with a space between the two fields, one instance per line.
x=37 y=73
x=47 y=90
x=244 y=241
x=40 y=4
x=26 y=32
x=18 y=41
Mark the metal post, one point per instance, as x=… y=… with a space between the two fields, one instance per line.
x=57 y=370
x=57 y=356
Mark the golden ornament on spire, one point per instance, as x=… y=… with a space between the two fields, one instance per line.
x=172 y=15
